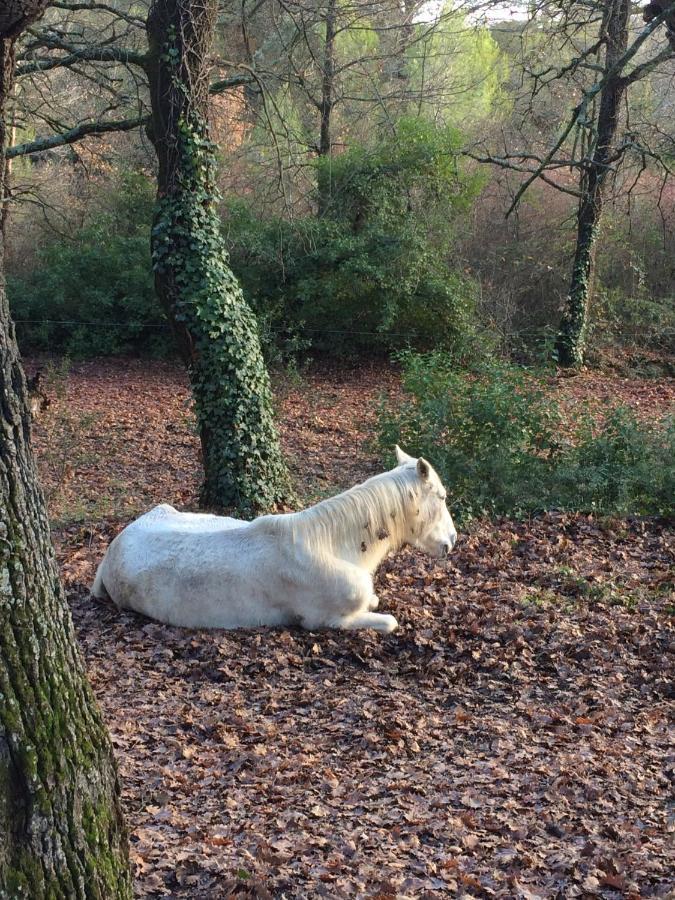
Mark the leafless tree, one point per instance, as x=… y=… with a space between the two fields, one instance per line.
x=593 y=54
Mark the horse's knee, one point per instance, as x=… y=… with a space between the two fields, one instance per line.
x=355 y=594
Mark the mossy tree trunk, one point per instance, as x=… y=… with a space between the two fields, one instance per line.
x=61 y=828
x=215 y=328
x=571 y=339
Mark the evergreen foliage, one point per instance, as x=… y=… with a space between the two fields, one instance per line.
x=376 y=271
x=93 y=294
x=496 y=437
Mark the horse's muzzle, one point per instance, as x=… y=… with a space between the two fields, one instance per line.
x=446 y=548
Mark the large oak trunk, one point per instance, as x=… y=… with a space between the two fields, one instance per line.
x=215 y=328
x=61 y=828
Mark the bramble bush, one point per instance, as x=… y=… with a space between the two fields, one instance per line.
x=496 y=437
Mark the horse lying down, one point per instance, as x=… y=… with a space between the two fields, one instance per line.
x=313 y=568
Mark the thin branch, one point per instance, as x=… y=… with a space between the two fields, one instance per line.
x=226 y=84
x=99 y=53
x=87 y=129
x=86 y=54
x=96 y=129
x=645 y=68
x=72 y=7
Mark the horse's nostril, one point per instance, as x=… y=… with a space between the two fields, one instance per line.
x=446 y=549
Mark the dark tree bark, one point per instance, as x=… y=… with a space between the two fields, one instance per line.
x=326 y=105
x=61 y=828
x=216 y=330
x=571 y=339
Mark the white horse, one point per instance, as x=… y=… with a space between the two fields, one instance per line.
x=313 y=568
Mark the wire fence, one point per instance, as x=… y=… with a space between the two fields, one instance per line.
x=665 y=332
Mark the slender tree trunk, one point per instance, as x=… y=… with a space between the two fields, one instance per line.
x=407 y=10
x=216 y=330
x=326 y=106
x=61 y=828
x=571 y=339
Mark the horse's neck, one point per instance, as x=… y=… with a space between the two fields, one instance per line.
x=363 y=525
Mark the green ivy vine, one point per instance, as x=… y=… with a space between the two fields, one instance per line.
x=244 y=469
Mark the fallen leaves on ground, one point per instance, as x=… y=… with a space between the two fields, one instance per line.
x=509 y=740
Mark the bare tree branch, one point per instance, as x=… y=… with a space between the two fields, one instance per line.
x=86 y=129
x=97 y=129
x=85 y=54
x=117 y=13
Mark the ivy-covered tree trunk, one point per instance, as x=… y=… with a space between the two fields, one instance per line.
x=61 y=828
x=571 y=339
x=215 y=328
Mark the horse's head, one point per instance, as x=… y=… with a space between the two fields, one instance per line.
x=432 y=529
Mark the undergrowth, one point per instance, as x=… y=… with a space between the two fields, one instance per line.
x=502 y=446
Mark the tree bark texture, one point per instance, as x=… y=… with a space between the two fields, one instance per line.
x=571 y=339
x=61 y=828
x=216 y=330
x=326 y=106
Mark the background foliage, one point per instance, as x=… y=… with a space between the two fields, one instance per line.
x=503 y=447
x=91 y=293
x=378 y=270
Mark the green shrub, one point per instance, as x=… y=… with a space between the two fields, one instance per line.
x=622 y=467
x=634 y=321
x=413 y=174
x=496 y=438
x=488 y=432
x=94 y=294
x=375 y=271
x=315 y=281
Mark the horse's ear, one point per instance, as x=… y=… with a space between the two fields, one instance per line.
x=401 y=457
x=423 y=469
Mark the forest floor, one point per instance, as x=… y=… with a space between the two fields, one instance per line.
x=509 y=740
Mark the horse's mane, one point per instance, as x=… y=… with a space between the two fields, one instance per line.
x=369 y=512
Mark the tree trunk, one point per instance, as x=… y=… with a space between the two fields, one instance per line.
x=326 y=107
x=571 y=339
x=216 y=330
x=61 y=828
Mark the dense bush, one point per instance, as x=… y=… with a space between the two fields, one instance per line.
x=94 y=294
x=375 y=271
x=637 y=321
x=497 y=439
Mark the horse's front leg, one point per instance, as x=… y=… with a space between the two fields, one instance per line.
x=347 y=602
x=379 y=621
x=361 y=615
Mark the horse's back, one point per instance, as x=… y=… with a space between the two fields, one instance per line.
x=164 y=518
x=165 y=541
